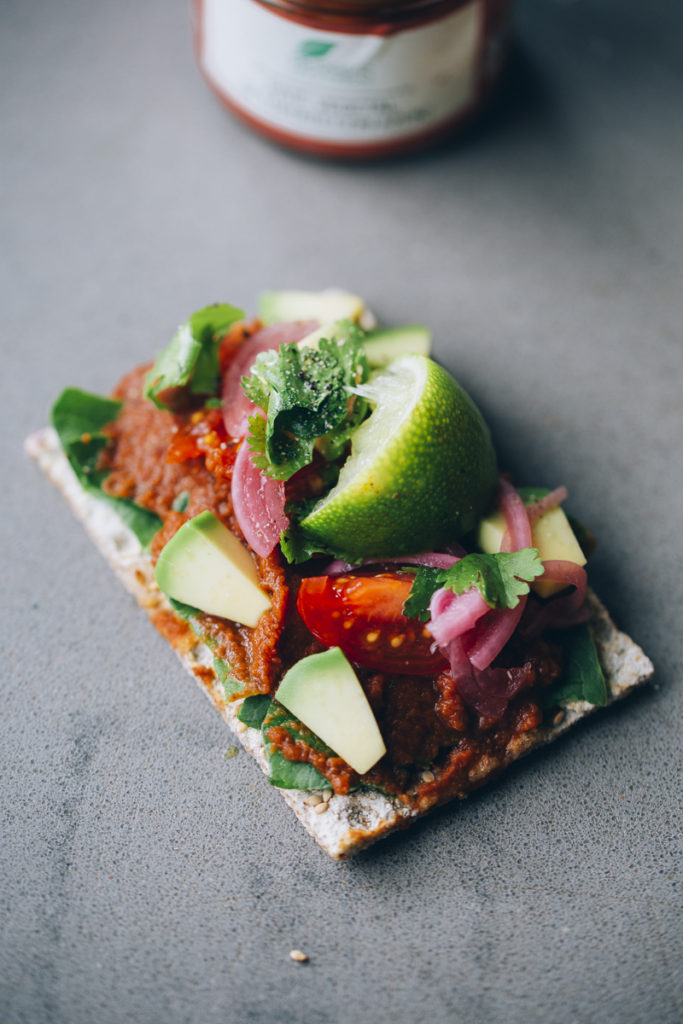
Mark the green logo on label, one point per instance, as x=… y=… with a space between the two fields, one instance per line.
x=315 y=48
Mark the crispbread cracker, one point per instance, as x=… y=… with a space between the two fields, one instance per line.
x=351 y=822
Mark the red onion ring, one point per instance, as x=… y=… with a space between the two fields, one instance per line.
x=502 y=623
x=454 y=614
x=237 y=408
x=489 y=691
x=496 y=632
x=258 y=503
x=563 y=611
x=544 y=504
x=517 y=526
x=434 y=559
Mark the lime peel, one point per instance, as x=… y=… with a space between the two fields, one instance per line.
x=421 y=470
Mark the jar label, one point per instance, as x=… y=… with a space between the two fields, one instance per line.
x=342 y=87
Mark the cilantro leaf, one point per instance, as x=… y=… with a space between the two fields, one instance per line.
x=425 y=584
x=295 y=546
x=189 y=364
x=307 y=395
x=501 y=579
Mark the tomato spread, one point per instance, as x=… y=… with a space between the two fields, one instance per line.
x=178 y=465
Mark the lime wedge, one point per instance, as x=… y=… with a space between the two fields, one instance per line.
x=421 y=471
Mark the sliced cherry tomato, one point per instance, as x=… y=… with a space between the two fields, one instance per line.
x=364 y=616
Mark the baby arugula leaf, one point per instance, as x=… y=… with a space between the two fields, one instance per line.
x=501 y=579
x=306 y=395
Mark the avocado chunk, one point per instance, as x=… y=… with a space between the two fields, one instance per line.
x=339 y=331
x=205 y=565
x=381 y=346
x=551 y=534
x=326 y=306
x=324 y=693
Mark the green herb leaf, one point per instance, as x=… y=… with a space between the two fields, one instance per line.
x=501 y=580
x=425 y=585
x=78 y=418
x=292 y=774
x=189 y=364
x=295 y=546
x=181 y=501
x=307 y=395
x=195 y=619
x=253 y=710
x=583 y=678
x=531 y=494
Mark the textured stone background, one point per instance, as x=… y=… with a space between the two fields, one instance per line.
x=143 y=876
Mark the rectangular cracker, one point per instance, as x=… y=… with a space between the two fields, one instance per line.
x=351 y=822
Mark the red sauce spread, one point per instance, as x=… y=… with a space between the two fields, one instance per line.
x=436 y=746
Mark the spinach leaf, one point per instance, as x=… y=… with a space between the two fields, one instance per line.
x=194 y=617
x=253 y=710
x=78 y=418
x=292 y=774
x=189 y=364
x=583 y=678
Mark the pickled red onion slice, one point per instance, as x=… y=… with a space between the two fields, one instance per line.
x=503 y=622
x=496 y=633
x=517 y=525
x=258 y=502
x=544 y=504
x=488 y=691
x=454 y=614
x=572 y=575
x=237 y=408
x=565 y=610
x=434 y=559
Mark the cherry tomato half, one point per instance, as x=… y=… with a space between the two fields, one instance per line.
x=364 y=616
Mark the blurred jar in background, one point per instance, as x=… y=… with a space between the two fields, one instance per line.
x=352 y=78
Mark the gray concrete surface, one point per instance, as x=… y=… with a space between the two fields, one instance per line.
x=146 y=878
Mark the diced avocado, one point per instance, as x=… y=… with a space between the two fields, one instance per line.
x=323 y=692
x=326 y=306
x=339 y=331
x=381 y=346
x=204 y=565
x=551 y=534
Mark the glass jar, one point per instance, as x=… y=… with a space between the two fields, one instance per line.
x=352 y=78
